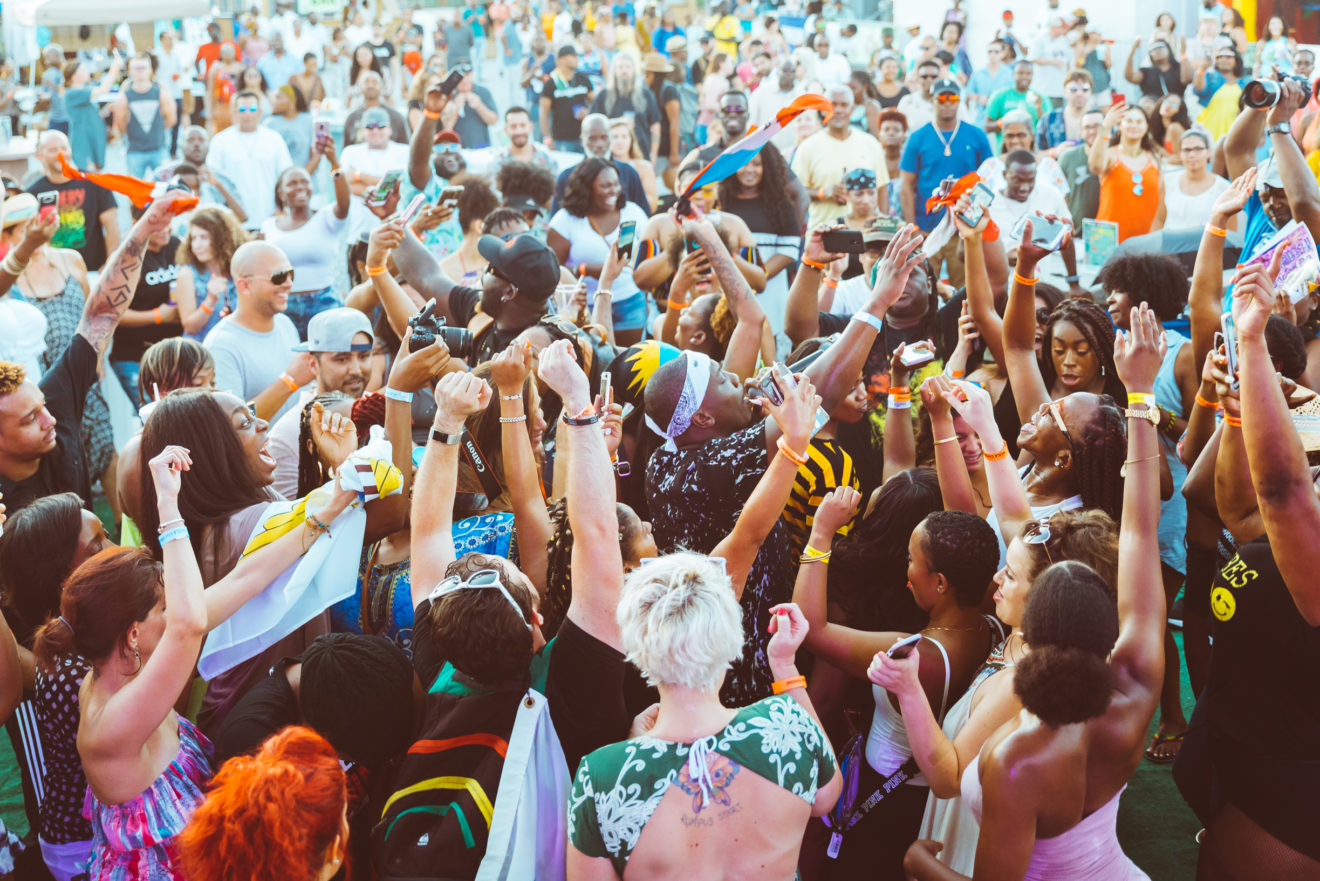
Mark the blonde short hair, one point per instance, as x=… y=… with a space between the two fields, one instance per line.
x=679 y=621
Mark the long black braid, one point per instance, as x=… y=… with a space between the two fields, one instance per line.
x=1098 y=459
x=311 y=473
x=1095 y=326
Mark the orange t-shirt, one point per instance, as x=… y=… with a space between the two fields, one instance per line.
x=1130 y=198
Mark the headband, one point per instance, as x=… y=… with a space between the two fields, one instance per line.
x=695 y=383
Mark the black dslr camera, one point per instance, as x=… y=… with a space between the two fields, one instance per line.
x=1264 y=93
x=427 y=326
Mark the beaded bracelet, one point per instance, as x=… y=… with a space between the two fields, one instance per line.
x=178 y=532
x=1209 y=405
x=517 y=397
x=394 y=394
x=995 y=457
x=791 y=454
x=504 y=420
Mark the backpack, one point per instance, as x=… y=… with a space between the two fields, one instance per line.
x=688 y=107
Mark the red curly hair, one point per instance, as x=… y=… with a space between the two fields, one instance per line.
x=273 y=815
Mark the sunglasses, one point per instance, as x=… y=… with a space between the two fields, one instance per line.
x=1137 y=188
x=276 y=278
x=495 y=272
x=486 y=578
x=947 y=99
x=374 y=125
x=1042 y=316
x=247 y=109
x=735 y=110
x=1079 y=88
x=1056 y=411
x=1038 y=533
x=930 y=76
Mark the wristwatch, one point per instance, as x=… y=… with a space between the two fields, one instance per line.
x=1150 y=414
x=1283 y=128
x=441 y=438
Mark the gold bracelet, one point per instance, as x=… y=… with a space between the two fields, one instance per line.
x=947 y=440
x=822 y=559
x=1142 y=459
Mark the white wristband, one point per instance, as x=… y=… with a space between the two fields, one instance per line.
x=868 y=318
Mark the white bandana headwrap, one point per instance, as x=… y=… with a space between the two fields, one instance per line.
x=695 y=383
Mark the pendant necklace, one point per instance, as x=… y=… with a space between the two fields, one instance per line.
x=948 y=145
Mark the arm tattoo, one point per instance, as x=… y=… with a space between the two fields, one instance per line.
x=731 y=279
x=113 y=294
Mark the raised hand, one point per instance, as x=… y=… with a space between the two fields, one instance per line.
x=384 y=239
x=836 y=510
x=1233 y=199
x=509 y=369
x=815 y=247
x=895 y=675
x=413 y=371
x=435 y=99
x=558 y=368
x=965 y=206
x=333 y=434
x=1254 y=295
x=167 y=469
x=788 y=628
x=42 y=228
x=1139 y=353
x=796 y=416
x=458 y=396
x=973 y=404
x=902 y=256
x=932 y=395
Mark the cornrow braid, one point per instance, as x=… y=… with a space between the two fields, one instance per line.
x=311 y=473
x=1098 y=330
x=1099 y=454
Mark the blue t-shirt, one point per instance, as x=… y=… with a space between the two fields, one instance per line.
x=924 y=157
x=1258 y=227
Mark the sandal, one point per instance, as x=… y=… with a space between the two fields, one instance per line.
x=1159 y=740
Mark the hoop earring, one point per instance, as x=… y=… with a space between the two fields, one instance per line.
x=138 y=657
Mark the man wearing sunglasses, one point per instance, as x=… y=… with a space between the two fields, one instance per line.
x=918 y=107
x=252 y=156
x=367 y=161
x=253 y=347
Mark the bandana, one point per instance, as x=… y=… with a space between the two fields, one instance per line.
x=695 y=383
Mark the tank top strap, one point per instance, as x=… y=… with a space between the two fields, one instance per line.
x=948 y=676
x=996 y=629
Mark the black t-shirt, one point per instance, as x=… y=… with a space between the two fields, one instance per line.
x=268 y=707
x=623 y=107
x=668 y=92
x=1158 y=83
x=887 y=103
x=80 y=207
x=695 y=497
x=153 y=289
x=566 y=98
x=492 y=340
x=64 y=468
x=383 y=50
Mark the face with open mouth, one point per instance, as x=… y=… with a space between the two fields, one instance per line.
x=1076 y=363
x=251 y=432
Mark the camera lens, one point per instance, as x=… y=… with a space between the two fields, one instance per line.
x=1261 y=93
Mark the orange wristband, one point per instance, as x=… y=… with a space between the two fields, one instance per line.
x=1025 y=281
x=156 y=313
x=813 y=264
x=782 y=685
x=1209 y=405
x=429 y=115
x=676 y=305
x=995 y=457
x=1233 y=421
x=288 y=380
x=374 y=271
x=791 y=454
x=899 y=390
x=205 y=308
x=1216 y=231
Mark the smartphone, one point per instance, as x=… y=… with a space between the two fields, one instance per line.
x=627 y=232
x=917 y=354
x=1119 y=99
x=1045 y=233
x=455 y=77
x=981 y=197
x=413 y=207
x=904 y=647
x=50 y=198
x=1230 y=348
x=449 y=196
x=693 y=245
x=384 y=187
x=842 y=241
x=322 y=130
x=606 y=390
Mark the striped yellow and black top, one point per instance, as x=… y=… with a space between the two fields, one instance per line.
x=828 y=466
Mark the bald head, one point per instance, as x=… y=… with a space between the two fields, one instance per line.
x=49 y=146
x=263 y=277
x=253 y=257
x=596 y=135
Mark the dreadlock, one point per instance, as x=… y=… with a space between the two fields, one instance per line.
x=1094 y=325
x=311 y=473
x=1099 y=454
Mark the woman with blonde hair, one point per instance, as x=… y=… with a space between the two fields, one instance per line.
x=624 y=148
x=212 y=238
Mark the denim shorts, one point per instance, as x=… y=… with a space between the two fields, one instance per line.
x=629 y=313
x=303 y=306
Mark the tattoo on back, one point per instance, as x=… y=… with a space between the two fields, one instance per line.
x=722 y=771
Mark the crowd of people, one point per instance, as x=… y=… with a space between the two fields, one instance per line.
x=424 y=307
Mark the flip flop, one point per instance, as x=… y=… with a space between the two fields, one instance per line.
x=1161 y=739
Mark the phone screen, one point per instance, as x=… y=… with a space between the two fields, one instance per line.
x=1119 y=99
x=626 y=232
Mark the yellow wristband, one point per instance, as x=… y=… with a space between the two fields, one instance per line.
x=1141 y=398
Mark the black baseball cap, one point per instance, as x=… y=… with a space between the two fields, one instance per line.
x=526 y=262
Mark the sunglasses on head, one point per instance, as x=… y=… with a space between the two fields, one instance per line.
x=1038 y=533
x=276 y=278
x=486 y=578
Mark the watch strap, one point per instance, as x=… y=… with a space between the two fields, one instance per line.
x=440 y=437
x=1150 y=414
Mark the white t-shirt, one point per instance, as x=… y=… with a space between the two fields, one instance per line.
x=833 y=70
x=310 y=248
x=1048 y=79
x=1005 y=212
x=765 y=103
x=248 y=362
x=282 y=443
x=359 y=157
x=917 y=109
x=1187 y=212
x=253 y=161
x=588 y=246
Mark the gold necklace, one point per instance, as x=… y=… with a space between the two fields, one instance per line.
x=979 y=626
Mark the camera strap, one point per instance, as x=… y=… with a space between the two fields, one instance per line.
x=490 y=484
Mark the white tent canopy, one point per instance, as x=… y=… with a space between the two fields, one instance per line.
x=54 y=13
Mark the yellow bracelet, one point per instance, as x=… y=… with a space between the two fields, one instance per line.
x=809 y=551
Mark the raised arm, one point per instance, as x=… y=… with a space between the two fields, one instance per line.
x=980 y=294
x=1029 y=390
x=1138 y=655
x=1098 y=158
x=457 y=396
x=745 y=342
x=419 y=266
x=795 y=418
x=531 y=520
x=423 y=138
x=1241 y=141
x=900 y=450
x=398 y=306
x=802 y=311
x=343 y=193
x=1009 y=499
x=1205 y=300
x=133 y=713
x=38 y=233
x=1130 y=72
x=115 y=286
x=597 y=561
x=1298 y=180
x=955 y=483
x=1288 y=504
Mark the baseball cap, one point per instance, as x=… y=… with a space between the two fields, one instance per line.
x=447 y=140
x=1268 y=174
x=375 y=116
x=523 y=203
x=525 y=258
x=946 y=86
x=333 y=331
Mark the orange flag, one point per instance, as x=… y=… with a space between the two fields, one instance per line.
x=139 y=192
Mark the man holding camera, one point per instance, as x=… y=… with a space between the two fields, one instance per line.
x=338 y=353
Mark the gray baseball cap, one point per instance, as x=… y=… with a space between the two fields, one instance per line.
x=333 y=331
